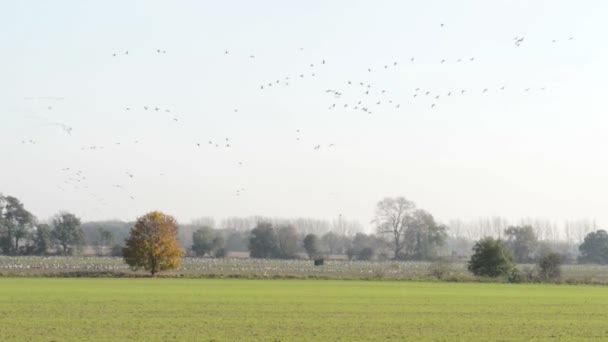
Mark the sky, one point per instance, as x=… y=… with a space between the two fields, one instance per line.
x=535 y=148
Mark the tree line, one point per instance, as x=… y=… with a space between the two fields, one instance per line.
x=402 y=232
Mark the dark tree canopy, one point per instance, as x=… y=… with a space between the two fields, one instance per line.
x=263 y=242
x=594 y=248
x=42 y=239
x=423 y=235
x=491 y=258
x=311 y=245
x=66 y=231
x=206 y=241
x=15 y=224
x=363 y=246
x=365 y=254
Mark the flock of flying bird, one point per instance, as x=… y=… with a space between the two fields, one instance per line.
x=368 y=99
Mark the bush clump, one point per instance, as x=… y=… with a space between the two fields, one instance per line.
x=491 y=258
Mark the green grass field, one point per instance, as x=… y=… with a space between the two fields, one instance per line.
x=56 y=309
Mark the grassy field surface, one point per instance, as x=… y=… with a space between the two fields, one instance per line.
x=57 y=309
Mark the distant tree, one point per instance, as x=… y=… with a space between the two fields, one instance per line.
x=594 y=248
x=153 y=244
x=491 y=258
x=66 y=231
x=236 y=241
x=206 y=241
x=202 y=241
x=366 y=253
x=42 y=239
x=350 y=253
x=362 y=241
x=220 y=252
x=204 y=221
x=332 y=243
x=311 y=245
x=263 y=242
x=423 y=235
x=390 y=217
x=363 y=246
x=287 y=242
x=118 y=229
x=104 y=239
x=15 y=224
x=522 y=241
x=549 y=266
x=116 y=250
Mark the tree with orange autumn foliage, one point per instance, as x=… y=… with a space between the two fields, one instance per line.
x=153 y=245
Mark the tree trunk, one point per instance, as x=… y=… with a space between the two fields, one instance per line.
x=397 y=237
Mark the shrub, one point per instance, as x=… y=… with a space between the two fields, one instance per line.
x=527 y=275
x=491 y=258
x=549 y=267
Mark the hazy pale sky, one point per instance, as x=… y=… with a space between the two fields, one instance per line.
x=536 y=148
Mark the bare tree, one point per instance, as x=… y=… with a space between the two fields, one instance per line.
x=204 y=221
x=390 y=220
x=346 y=227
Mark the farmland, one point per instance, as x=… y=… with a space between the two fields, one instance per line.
x=300 y=310
x=262 y=268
